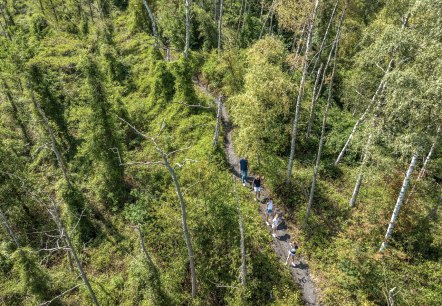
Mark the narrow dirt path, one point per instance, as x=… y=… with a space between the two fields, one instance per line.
x=280 y=244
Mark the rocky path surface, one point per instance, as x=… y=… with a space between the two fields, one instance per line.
x=280 y=243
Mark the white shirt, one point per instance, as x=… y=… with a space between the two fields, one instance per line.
x=270 y=205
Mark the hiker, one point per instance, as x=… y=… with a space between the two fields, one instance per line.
x=269 y=210
x=243 y=167
x=275 y=223
x=292 y=252
x=257 y=187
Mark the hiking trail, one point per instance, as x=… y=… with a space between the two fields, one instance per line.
x=280 y=244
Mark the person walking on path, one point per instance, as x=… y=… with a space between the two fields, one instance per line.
x=243 y=167
x=269 y=210
x=257 y=187
x=275 y=223
x=292 y=252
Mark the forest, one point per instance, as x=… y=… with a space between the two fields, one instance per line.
x=122 y=123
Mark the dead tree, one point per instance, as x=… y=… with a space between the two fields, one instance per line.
x=165 y=162
x=8 y=229
x=186 y=48
x=301 y=91
x=218 y=121
x=152 y=20
x=241 y=231
x=399 y=201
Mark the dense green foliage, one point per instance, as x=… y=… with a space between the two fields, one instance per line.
x=73 y=74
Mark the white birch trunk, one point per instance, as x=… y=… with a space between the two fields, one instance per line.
x=218 y=122
x=424 y=167
x=324 y=118
x=9 y=229
x=379 y=90
x=312 y=107
x=242 y=243
x=154 y=25
x=321 y=47
x=220 y=26
x=301 y=91
x=399 y=201
x=361 y=173
x=186 y=48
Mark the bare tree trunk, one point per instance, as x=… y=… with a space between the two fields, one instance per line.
x=241 y=231
x=218 y=121
x=63 y=233
x=262 y=10
x=15 y=113
x=399 y=201
x=379 y=90
x=324 y=118
x=267 y=18
x=301 y=91
x=60 y=160
x=186 y=48
x=154 y=25
x=220 y=26
x=424 y=167
x=361 y=173
x=321 y=47
x=299 y=46
x=312 y=107
x=8 y=228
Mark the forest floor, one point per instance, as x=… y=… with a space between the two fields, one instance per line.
x=281 y=243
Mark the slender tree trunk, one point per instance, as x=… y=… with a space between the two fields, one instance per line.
x=301 y=91
x=220 y=26
x=324 y=118
x=184 y=223
x=56 y=216
x=299 y=46
x=321 y=47
x=8 y=228
x=399 y=201
x=267 y=18
x=152 y=20
x=262 y=10
x=312 y=107
x=15 y=113
x=214 y=12
x=47 y=126
x=379 y=90
x=218 y=121
x=361 y=173
x=186 y=49
x=424 y=168
x=241 y=231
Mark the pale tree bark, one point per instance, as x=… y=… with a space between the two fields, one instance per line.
x=321 y=47
x=172 y=173
x=186 y=48
x=47 y=126
x=379 y=90
x=424 y=167
x=220 y=26
x=312 y=107
x=334 y=50
x=270 y=13
x=399 y=201
x=218 y=121
x=152 y=20
x=241 y=231
x=299 y=46
x=361 y=173
x=214 y=12
x=301 y=90
x=8 y=228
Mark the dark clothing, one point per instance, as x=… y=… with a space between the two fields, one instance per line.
x=243 y=164
x=257 y=183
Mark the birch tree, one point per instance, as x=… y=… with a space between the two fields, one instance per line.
x=361 y=173
x=218 y=121
x=334 y=50
x=312 y=107
x=170 y=169
x=301 y=91
x=399 y=202
x=186 y=48
x=152 y=20
x=241 y=232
